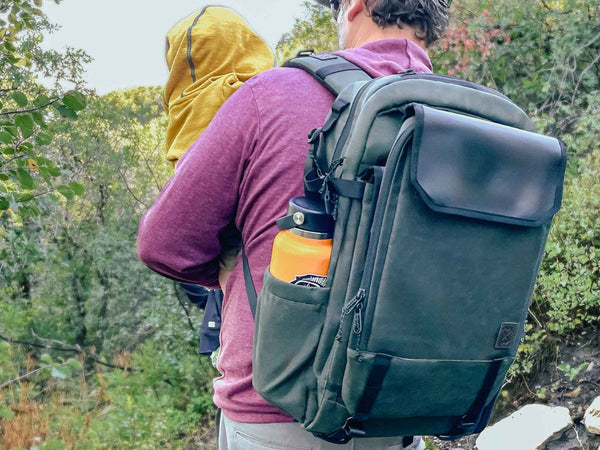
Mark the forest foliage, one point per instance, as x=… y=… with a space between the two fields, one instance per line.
x=95 y=349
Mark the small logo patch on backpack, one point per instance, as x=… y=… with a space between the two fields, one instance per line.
x=506 y=335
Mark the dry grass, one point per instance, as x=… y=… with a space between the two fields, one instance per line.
x=47 y=414
x=26 y=425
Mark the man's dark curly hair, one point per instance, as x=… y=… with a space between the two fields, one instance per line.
x=429 y=17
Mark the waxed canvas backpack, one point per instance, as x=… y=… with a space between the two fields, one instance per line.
x=443 y=194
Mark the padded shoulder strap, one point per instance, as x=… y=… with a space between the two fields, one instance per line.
x=332 y=71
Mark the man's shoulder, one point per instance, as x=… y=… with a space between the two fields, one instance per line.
x=282 y=75
x=285 y=81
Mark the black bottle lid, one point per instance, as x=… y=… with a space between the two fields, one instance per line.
x=309 y=216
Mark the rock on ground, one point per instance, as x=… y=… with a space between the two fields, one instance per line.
x=592 y=417
x=527 y=429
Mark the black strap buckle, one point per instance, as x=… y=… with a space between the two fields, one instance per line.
x=350 y=430
x=307 y=52
x=314 y=135
x=353 y=428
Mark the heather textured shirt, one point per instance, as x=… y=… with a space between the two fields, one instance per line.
x=245 y=167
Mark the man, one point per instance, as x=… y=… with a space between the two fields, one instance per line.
x=246 y=166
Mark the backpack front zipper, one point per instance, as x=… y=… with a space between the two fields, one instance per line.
x=359 y=302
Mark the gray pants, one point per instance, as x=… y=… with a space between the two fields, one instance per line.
x=256 y=436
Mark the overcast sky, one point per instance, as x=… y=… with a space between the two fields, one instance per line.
x=126 y=38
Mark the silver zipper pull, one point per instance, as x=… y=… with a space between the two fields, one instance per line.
x=357 y=321
x=358 y=298
x=355 y=302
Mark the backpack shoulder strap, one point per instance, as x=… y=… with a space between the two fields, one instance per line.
x=332 y=71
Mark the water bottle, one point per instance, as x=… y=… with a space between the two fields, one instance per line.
x=301 y=254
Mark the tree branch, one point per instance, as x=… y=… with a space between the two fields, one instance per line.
x=27 y=375
x=182 y=303
x=580 y=79
x=64 y=348
x=135 y=197
x=22 y=111
x=6 y=161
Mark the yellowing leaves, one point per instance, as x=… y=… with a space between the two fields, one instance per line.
x=33 y=165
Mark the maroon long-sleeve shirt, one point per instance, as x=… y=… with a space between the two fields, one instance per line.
x=244 y=168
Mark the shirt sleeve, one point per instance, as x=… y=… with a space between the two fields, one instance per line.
x=179 y=236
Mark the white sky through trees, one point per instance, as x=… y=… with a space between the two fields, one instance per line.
x=126 y=38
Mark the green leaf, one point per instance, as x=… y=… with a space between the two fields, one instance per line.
x=43 y=139
x=33 y=210
x=9 y=46
x=66 y=111
x=6 y=414
x=4 y=346
x=46 y=358
x=25 y=147
x=25 y=123
x=77 y=188
x=74 y=364
x=5 y=137
x=4 y=204
x=19 y=98
x=41 y=100
x=75 y=100
x=61 y=372
x=66 y=191
x=22 y=62
x=12 y=130
x=25 y=198
x=25 y=179
x=37 y=3
x=39 y=118
x=54 y=171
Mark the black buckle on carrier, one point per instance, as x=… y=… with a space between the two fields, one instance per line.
x=351 y=429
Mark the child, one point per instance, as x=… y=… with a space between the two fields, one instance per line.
x=210 y=54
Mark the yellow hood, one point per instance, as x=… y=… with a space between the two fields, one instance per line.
x=210 y=54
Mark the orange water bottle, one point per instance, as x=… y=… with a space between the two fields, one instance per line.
x=302 y=250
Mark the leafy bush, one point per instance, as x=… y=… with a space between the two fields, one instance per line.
x=567 y=295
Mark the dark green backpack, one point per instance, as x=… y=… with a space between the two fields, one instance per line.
x=442 y=194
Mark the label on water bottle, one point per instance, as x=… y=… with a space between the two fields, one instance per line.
x=309 y=280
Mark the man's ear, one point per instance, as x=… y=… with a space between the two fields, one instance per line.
x=355 y=8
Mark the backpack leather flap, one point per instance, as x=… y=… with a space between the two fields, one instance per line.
x=474 y=168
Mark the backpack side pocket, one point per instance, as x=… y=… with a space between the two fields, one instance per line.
x=288 y=325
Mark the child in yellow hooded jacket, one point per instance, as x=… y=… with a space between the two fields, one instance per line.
x=210 y=54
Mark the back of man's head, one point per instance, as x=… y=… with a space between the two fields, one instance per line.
x=427 y=19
